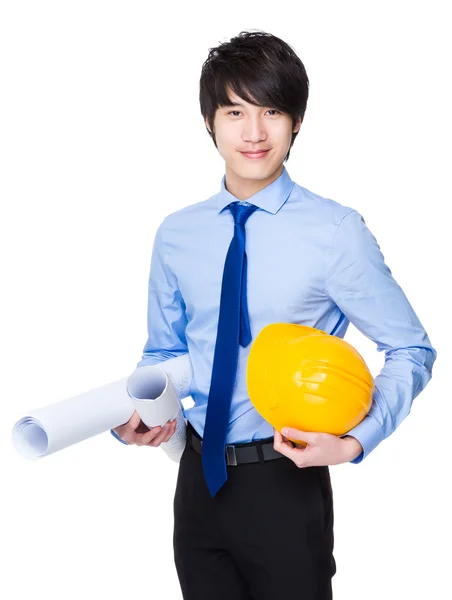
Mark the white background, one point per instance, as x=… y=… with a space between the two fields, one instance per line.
x=101 y=137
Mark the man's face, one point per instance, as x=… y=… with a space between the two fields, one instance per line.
x=246 y=127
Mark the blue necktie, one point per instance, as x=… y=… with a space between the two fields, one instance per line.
x=233 y=328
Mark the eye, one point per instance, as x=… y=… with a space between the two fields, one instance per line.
x=269 y=110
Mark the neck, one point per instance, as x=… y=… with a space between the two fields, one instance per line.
x=242 y=188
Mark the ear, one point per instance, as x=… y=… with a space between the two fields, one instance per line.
x=298 y=124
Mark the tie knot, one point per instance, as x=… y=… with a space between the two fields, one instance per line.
x=241 y=212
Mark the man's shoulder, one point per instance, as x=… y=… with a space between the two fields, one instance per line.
x=329 y=209
x=196 y=210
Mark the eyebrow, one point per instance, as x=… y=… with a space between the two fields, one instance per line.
x=238 y=104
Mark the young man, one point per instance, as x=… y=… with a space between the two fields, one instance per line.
x=251 y=521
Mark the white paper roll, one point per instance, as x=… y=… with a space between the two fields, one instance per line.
x=155 y=399
x=56 y=426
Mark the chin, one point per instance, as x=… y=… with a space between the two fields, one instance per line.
x=254 y=170
x=256 y=174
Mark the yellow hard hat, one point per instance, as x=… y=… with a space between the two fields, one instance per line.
x=302 y=377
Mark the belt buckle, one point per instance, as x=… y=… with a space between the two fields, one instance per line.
x=231 y=456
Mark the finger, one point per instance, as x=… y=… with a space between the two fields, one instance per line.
x=158 y=439
x=292 y=444
x=277 y=437
x=127 y=431
x=170 y=427
x=150 y=435
x=280 y=440
x=288 y=448
x=283 y=449
x=296 y=435
x=133 y=422
x=171 y=430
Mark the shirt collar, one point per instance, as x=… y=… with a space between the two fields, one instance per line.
x=270 y=198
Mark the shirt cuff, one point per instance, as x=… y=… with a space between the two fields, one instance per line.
x=114 y=434
x=369 y=435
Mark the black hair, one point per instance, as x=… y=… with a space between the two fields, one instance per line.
x=261 y=69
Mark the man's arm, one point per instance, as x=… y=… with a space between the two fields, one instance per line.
x=166 y=320
x=362 y=286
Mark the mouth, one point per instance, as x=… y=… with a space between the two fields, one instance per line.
x=255 y=155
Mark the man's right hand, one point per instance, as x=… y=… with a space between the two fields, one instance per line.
x=136 y=432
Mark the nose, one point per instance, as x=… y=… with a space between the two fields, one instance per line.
x=253 y=130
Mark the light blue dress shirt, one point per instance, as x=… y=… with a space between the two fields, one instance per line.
x=311 y=261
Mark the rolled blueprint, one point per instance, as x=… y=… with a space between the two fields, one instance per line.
x=51 y=428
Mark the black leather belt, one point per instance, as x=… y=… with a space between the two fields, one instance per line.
x=236 y=454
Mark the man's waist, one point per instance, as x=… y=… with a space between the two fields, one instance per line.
x=245 y=427
x=242 y=453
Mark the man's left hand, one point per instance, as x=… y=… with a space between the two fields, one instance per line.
x=321 y=448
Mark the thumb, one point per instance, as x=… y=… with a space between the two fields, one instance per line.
x=134 y=420
x=297 y=434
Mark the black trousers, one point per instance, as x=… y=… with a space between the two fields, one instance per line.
x=266 y=535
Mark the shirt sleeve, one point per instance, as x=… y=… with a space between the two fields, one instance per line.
x=114 y=434
x=166 y=319
x=362 y=286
